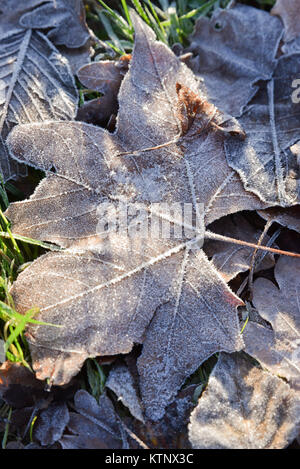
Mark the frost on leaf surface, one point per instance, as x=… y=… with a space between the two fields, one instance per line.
x=121 y=382
x=36 y=85
x=105 y=291
x=278 y=349
x=271 y=122
x=227 y=56
x=185 y=331
x=10 y=13
x=51 y=423
x=244 y=407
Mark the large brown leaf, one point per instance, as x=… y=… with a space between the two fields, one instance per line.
x=244 y=407
x=106 y=291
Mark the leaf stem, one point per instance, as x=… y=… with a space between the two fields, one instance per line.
x=226 y=239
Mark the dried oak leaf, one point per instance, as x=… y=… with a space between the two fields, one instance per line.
x=93 y=425
x=265 y=161
x=278 y=349
x=244 y=407
x=289 y=12
x=105 y=294
x=36 y=85
x=231 y=259
x=227 y=56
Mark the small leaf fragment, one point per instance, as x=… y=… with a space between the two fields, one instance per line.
x=121 y=383
x=289 y=217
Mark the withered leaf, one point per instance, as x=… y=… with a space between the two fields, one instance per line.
x=278 y=349
x=289 y=217
x=271 y=121
x=51 y=423
x=244 y=407
x=10 y=13
x=171 y=431
x=291 y=47
x=104 y=291
x=105 y=77
x=36 y=85
x=29 y=399
x=64 y=19
x=18 y=386
x=227 y=56
x=98 y=111
x=231 y=259
x=289 y=12
x=95 y=425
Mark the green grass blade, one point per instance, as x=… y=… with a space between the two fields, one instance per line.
x=35 y=242
x=4 y=439
x=140 y=11
x=15 y=245
x=126 y=11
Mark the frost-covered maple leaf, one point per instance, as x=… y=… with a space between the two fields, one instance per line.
x=110 y=292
